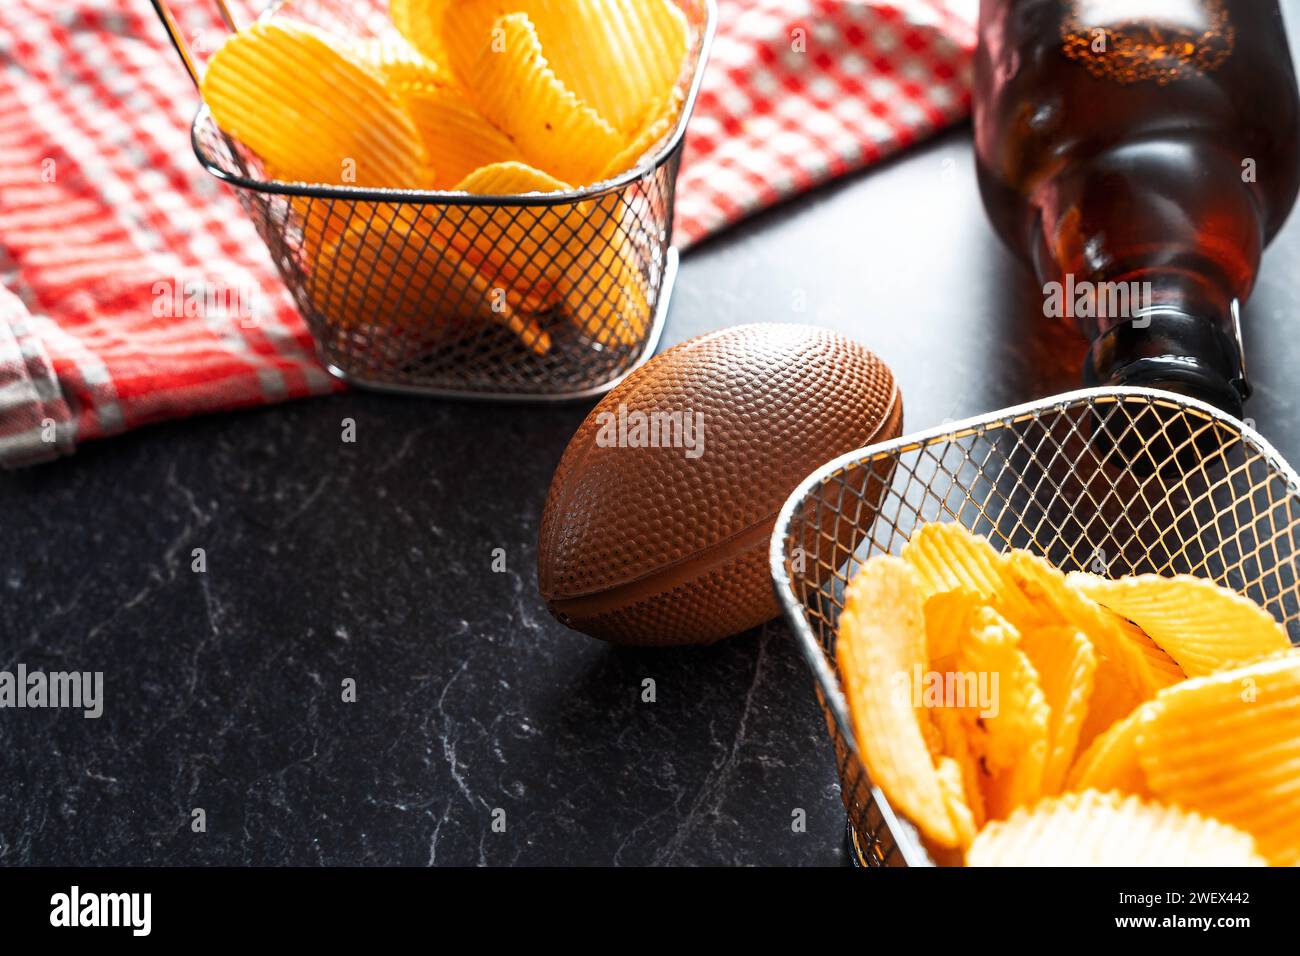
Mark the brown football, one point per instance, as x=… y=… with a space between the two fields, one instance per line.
x=656 y=527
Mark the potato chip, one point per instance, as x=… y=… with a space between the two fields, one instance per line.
x=618 y=57
x=930 y=731
x=566 y=251
x=1066 y=663
x=948 y=616
x=1111 y=760
x=398 y=280
x=399 y=66
x=1004 y=790
x=604 y=288
x=420 y=22
x=457 y=138
x=1008 y=731
x=525 y=248
x=881 y=636
x=1228 y=745
x=954 y=743
x=663 y=123
x=291 y=94
x=510 y=179
x=1113 y=698
x=465 y=27
x=1164 y=669
x=514 y=87
x=621 y=57
x=959 y=811
x=323 y=221
x=1108 y=829
x=947 y=557
x=1046 y=587
x=1289 y=652
x=1202 y=626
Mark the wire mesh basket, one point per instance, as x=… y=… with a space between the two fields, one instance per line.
x=542 y=297
x=1115 y=481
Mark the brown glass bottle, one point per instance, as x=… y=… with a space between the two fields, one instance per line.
x=1147 y=147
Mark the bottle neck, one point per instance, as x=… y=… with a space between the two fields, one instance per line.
x=1160 y=327
x=1159 y=240
x=1172 y=348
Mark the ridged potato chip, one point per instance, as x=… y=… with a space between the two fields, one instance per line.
x=1046 y=587
x=959 y=811
x=1108 y=829
x=458 y=139
x=323 y=221
x=525 y=248
x=1164 y=669
x=1111 y=760
x=561 y=253
x=400 y=279
x=506 y=97
x=621 y=57
x=881 y=636
x=1113 y=698
x=954 y=743
x=948 y=617
x=1228 y=745
x=1066 y=663
x=466 y=27
x=947 y=557
x=421 y=23
x=604 y=290
x=1202 y=626
x=930 y=731
x=514 y=87
x=1160 y=768
x=663 y=123
x=1011 y=737
x=399 y=66
x=291 y=94
x=511 y=179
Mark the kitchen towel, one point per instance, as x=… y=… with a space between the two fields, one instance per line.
x=107 y=222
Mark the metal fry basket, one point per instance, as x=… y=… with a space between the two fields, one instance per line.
x=411 y=302
x=1116 y=481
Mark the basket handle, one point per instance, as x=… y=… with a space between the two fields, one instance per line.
x=178 y=39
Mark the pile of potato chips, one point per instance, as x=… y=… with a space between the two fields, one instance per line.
x=490 y=97
x=1020 y=716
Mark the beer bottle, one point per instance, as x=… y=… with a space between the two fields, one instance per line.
x=1139 y=154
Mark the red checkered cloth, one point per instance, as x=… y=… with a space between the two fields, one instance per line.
x=108 y=224
x=799 y=92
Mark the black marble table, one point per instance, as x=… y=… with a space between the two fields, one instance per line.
x=372 y=561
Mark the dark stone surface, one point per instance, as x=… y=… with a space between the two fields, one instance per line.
x=372 y=561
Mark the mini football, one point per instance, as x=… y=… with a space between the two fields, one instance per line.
x=656 y=526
